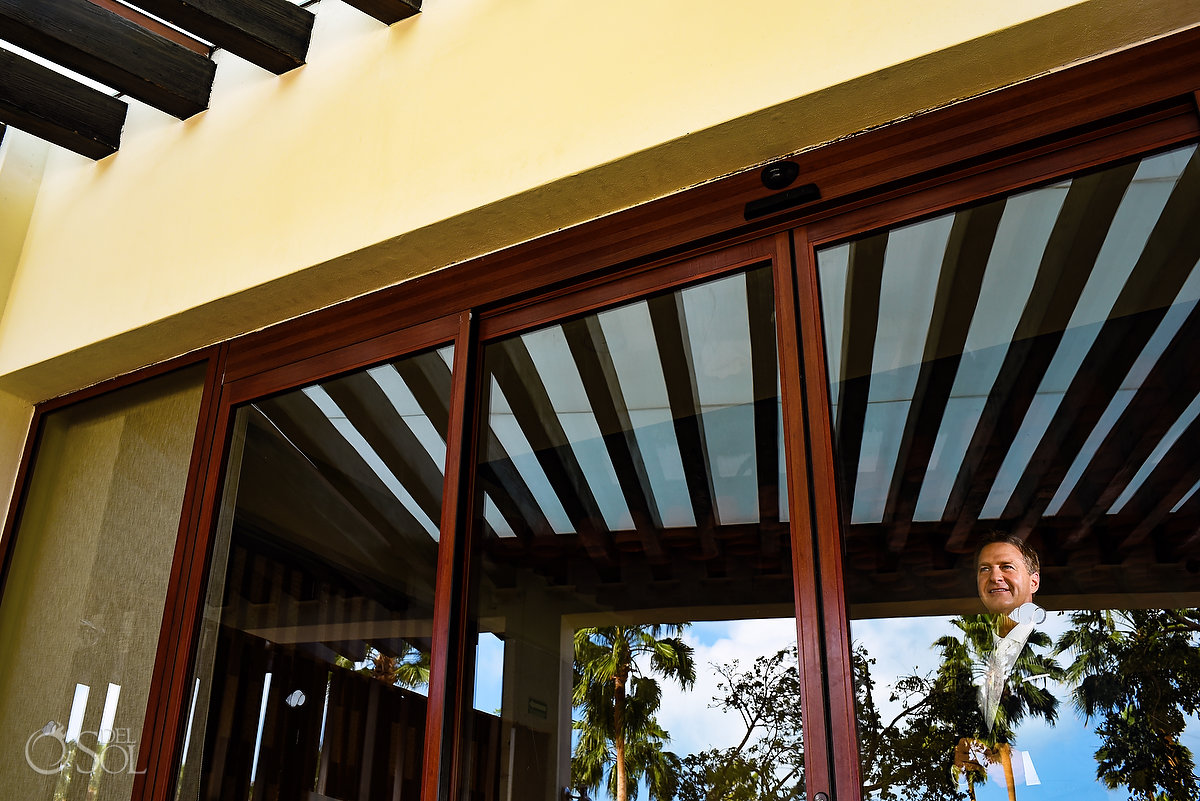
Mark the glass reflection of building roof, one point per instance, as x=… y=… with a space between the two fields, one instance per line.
x=1024 y=363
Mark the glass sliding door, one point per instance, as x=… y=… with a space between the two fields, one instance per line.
x=314 y=660
x=634 y=562
x=84 y=595
x=1015 y=391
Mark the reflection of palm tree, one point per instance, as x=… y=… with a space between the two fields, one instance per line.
x=1138 y=673
x=619 y=704
x=409 y=668
x=965 y=657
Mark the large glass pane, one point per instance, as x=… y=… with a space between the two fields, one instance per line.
x=83 y=603
x=1016 y=399
x=313 y=666
x=635 y=575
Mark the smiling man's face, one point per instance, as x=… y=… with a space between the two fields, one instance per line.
x=1004 y=579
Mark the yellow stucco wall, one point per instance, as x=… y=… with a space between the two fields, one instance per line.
x=475 y=125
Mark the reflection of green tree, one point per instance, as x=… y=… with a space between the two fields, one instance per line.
x=618 y=731
x=767 y=764
x=964 y=656
x=410 y=668
x=909 y=755
x=1138 y=673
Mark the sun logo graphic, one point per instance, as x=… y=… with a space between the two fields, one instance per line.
x=46 y=749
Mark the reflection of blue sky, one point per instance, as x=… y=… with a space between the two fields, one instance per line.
x=489 y=672
x=1063 y=754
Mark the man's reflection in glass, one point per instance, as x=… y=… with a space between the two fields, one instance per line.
x=1007 y=576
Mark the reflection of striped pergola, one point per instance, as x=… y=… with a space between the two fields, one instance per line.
x=1075 y=484
x=123 y=47
x=589 y=488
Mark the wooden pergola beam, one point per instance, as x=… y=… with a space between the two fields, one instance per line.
x=56 y=108
x=1165 y=263
x=114 y=51
x=372 y=414
x=274 y=34
x=675 y=354
x=1166 y=392
x=154 y=26
x=964 y=263
x=590 y=351
x=1070 y=256
x=428 y=379
x=864 y=283
x=764 y=378
x=395 y=529
x=387 y=11
x=514 y=371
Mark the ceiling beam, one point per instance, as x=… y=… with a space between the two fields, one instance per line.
x=514 y=371
x=1165 y=263
x=1160 y=400
x=1067 y=262
x=764 y=377
x=679 y=372
x=428 y=378
x=960 y=280
x=592 y=358
x=56 y=108
x=864 y=283
x=154 y=26
x=387 y=11
x=369 y=410
x=397 y=532
x=274 y=34
x=114 y=51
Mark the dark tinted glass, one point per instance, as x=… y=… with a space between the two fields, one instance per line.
x=315 y=652
x=632 y=548
x=1026 y=366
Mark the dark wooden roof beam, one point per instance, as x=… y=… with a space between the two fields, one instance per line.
x=155 y=26
x=274 y=34
x=428 y=379
x=59 y=109
x=764 y=376
x=387 y=11
x=960 y=279
x=1168 y=484
x=114 y=51
x=588 y=347
x=1079 y=231
x=374 y=416
x=513 y=368
x=675 y=354
x=864 y=282
x=1166 y=261
x=1162 y=397
x=394 y=528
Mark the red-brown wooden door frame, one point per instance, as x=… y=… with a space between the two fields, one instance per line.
x=592 y=296
x=169 y=702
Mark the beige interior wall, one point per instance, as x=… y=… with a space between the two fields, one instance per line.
x=475 y=125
